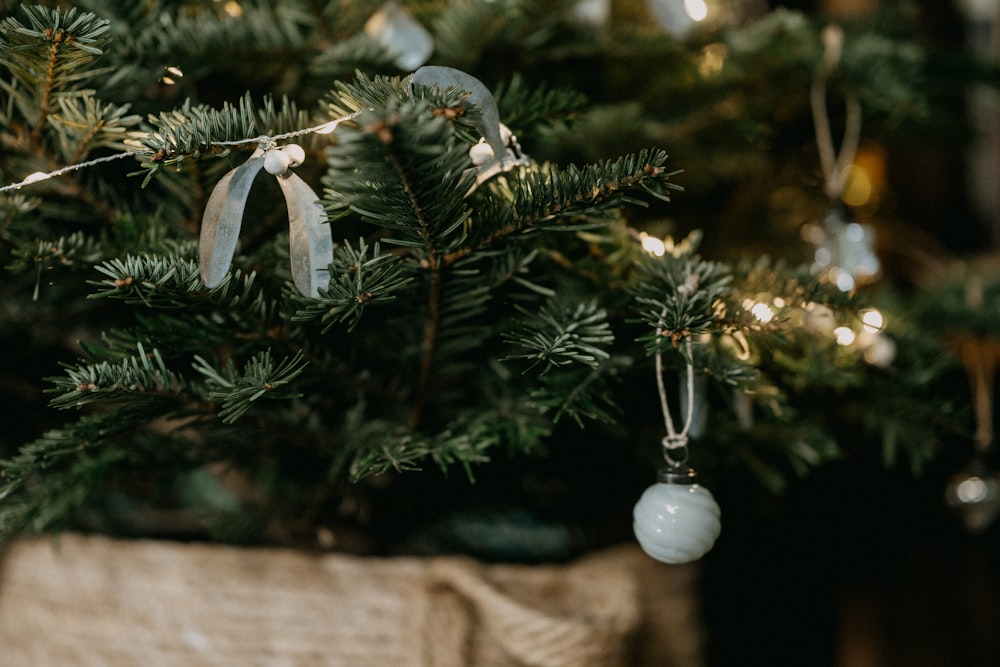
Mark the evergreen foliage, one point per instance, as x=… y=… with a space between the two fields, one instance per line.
x=463 y=324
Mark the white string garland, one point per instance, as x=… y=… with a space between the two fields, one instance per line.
x=263 y=141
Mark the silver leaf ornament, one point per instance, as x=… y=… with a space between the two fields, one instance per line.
x=488 y=122
x=310 y=237
x=220 y=225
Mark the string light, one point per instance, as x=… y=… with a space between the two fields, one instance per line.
x=696 y=9
x=872 y=320
x=652 y=245
x=844 y=335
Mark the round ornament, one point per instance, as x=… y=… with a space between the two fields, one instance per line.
x=676 y=520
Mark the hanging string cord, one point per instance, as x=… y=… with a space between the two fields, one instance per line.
x=834 y=163
x=40 y=176
x=675 y=440
x=263 y=141
x=269 y=140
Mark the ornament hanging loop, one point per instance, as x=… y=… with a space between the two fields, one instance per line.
x=834 y=162
x=675 y=450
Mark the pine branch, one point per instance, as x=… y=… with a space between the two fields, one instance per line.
x=139 y=376
x=403 y=171
x=580 y=392
x=535 y=109
x=260 y=378
x=562 y=334
x=357 y=280
x=54 y=44
x=84 y=123
x=462 y=32
x=174 y=282
x=678 y=296
x=554 y=198
x=60 y=472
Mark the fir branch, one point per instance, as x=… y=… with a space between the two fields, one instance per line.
x=139 y=375
x=562 y=334
x=260 y=378
x=550 y=196
x=580 y=392
x=84 y=123
x=678 y=297
x=53 y=42
x=158 y=281
x=358 y=278
x=75 y=250
x=536 y=107
x=401 y=450
x=465 y=28
x=402 y=170
x=52 y=477
x=191 y=130
x=390 y=448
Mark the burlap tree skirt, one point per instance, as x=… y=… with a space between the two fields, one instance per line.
x=80 y=601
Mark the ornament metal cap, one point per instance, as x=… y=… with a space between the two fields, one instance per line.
x=677 y=474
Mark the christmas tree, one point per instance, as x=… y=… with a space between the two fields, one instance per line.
x=481 y=318
x=431 y=305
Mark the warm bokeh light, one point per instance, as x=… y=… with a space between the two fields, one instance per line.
x=652 y=245
x=696 y=9
x=844 y=335
x=763 y=312
x=872 y=320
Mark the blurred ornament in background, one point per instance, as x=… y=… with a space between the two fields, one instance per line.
x=596 y=13
x=845 y=250
x=678 y=17
x=974 y=495
x=974 y=492
x=395 y=28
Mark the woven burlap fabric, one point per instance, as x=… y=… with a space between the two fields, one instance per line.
x=91 y=601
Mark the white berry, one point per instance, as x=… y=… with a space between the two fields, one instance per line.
x=295 y=154
x=276 y=162
x=480 y=154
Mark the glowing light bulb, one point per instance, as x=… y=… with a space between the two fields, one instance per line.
x=972 y=490
x=763 y=312
x=844 y=335
x=872 y=320
x=696 y=9
x=652 y=245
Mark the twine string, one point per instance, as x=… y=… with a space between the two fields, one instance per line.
x=675 y=441
x=264 y=141
x=834 y=163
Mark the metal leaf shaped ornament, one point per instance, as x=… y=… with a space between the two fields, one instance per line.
x=220 y=225
x=488 y=122
x=310 y=237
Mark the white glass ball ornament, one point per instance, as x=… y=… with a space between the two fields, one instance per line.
x=676 y=520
